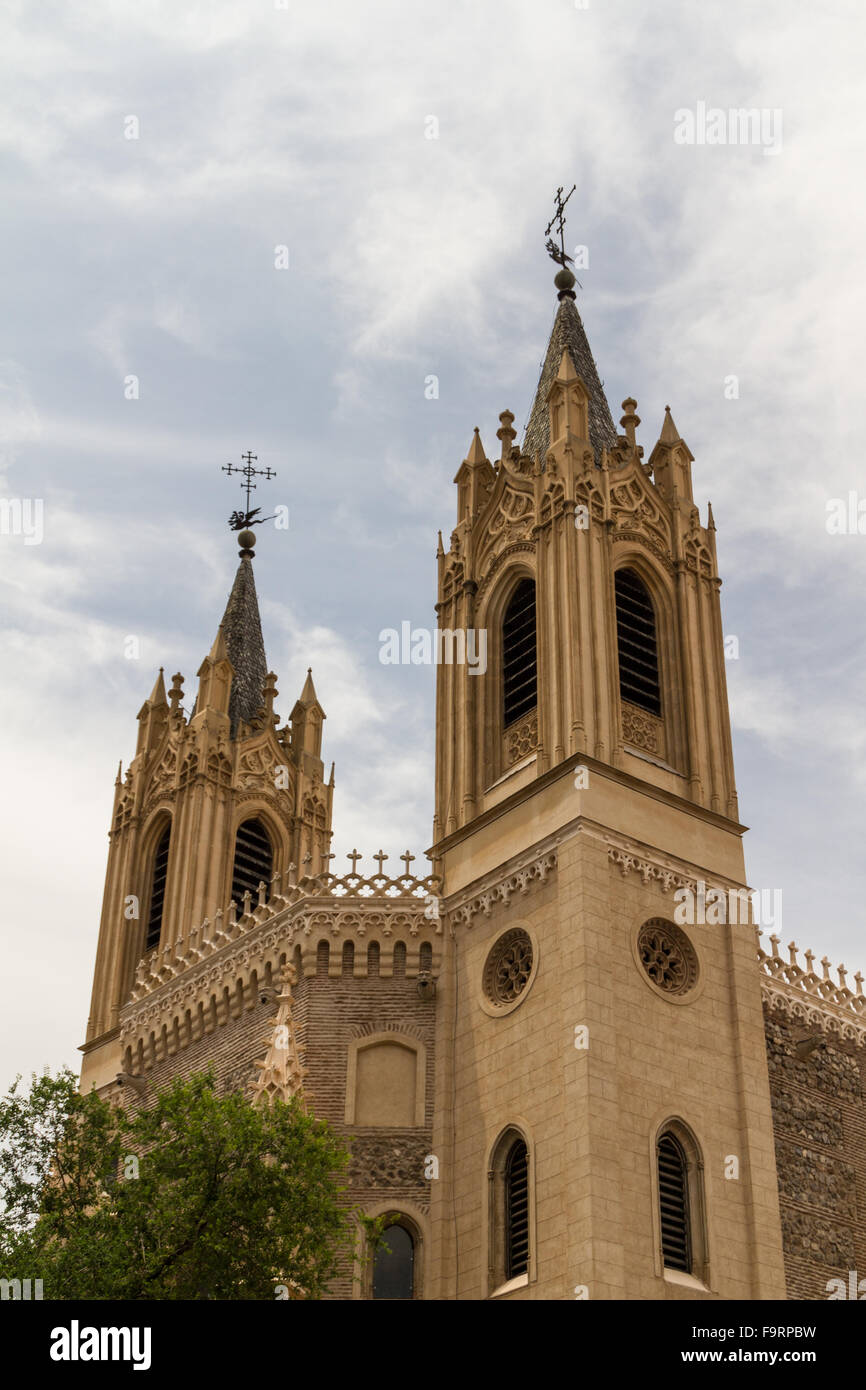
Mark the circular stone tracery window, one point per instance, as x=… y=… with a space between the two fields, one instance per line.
x=667 y=956
x=508 y=968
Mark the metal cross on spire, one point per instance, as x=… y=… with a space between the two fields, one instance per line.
x=239 y=520
x=558 y=253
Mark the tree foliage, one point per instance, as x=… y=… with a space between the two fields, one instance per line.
x=197 y=1196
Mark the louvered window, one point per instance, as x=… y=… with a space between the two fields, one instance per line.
x=674 y=1205
x=519 y=665
x=254 y=859
x=516 y=1210
x=636 y=642
x=157 y=891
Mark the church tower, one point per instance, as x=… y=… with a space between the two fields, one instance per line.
x=214 y=807
x=603 y=1116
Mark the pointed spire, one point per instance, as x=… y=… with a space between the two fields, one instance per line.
x=308 y=695
x=219 y=651
x=158 y=695
x=476 y=449
x=152 y=717
x=567 y=370
x=670 y=434
x=568 y=334
x=241 y=635
x=711 y=522
x=281 y=1074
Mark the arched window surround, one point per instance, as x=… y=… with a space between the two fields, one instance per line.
x=672 y=717
x=412 y=1044
x=497 y=740
x=699 y=1227
x=151 y=840
x=415 y=1221
x=496 y=1283
x=260 y=811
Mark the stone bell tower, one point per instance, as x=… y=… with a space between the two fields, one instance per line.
x=603 y=1112
x=214 y=805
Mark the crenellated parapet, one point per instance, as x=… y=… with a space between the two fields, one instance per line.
x=214 y=973
x=816 y=1000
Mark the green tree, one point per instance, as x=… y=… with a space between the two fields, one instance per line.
x=230 y=1200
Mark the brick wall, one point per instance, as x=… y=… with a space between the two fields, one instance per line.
x=387 y=1165
x=819 y=1121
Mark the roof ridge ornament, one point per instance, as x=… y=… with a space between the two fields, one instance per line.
x=565 y=279
x=241 y=521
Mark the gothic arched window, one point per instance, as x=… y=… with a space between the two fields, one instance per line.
x=674 y=1214
x=394 y=1265
x=510 y=1208
x=254 y=862
x=519 y=661
x=637 y=642
x=516 y=1210
x=157 y=890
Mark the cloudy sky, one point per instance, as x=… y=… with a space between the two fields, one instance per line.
x=263 y=125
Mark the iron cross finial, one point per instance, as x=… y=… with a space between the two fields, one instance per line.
x=239 y=520
x=558 y=253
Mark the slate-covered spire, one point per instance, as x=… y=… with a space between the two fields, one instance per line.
x=242 y=630
x=568 y=332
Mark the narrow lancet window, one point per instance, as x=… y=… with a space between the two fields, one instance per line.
x=254 y=862
x=637 y=644
x=157 y=891
x=519 y=662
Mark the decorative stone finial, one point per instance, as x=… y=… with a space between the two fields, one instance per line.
x=506 y=432
x=247 y=541
x=176 y=693
x=630 y=419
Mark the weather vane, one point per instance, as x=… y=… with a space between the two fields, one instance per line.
x=558 y=253
x=239 y=520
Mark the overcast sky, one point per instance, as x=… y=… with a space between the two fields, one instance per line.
x=261 y=126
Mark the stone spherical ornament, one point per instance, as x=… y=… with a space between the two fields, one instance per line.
x=667 y=957
x=508 y=970
x=247 y=539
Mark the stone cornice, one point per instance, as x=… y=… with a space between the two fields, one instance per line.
x=501 y=887
x=566 y=769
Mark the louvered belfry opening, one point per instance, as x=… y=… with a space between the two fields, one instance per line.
x=519 y=662
x=157 y=891
x=516 y=1210
x=674 y=1205
x=636 y=642
x=254 y=861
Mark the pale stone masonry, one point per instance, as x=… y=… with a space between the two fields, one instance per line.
x=535 y=989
